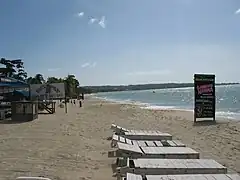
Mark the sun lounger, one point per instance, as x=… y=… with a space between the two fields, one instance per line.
x=32 y=178
x=171 y=167
x=133 y=151
x=153 y=143
x=119 y=129
x=131 y=176
x=140 y=134
x=147 y=135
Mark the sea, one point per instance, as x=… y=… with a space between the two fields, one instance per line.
x=227 y=99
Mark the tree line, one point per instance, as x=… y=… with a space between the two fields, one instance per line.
x=15 y=69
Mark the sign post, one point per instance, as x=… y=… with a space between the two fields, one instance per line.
x=204 y=98
x=65 y=98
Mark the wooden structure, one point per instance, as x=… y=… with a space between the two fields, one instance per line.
x=133 y=151
x=11 y=90
x=49 y=106
x=81 y=97
x=4 y=113
x=140 y=134
x=204 y=96
x=171 y=167
x=32 y=178
x=118 y=129
x=47 y=93
x=24 y=110
x=147 y=135
x=153 y=143
x=131 y=176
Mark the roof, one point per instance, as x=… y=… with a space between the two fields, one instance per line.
x=24 y=93
x=11 y=82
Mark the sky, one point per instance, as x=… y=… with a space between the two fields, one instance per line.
x=123 y=41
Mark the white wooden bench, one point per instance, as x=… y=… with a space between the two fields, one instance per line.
x=118 y=129
x=147 y=135
x=171 y=167
x=140 y=134
x=134 y=152
x=145 y=143
x=131 y=176
x=32 y=178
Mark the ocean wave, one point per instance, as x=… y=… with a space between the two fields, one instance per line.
x=219 y=114
x=150 y=106
x=227 y=114
x=126 y=101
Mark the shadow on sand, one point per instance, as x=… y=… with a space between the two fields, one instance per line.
x=114 y=169
x=45 y=113
x=10 y=121
x=109 y=138
x=206 y=123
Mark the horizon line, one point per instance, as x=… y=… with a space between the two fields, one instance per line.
x=217 y=83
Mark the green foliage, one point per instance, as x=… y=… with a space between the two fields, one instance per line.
x=13 y=68
x=37 y=79
x=71 y=83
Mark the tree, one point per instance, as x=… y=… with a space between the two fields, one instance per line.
x=71 y=85
x=37 y=79
x=54 y=80
x=13 y=68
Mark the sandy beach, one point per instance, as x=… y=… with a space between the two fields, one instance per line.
x=74 y=146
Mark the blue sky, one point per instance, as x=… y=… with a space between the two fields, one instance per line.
x=123 y=41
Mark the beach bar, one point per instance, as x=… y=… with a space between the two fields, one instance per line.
x=24 y=110
x=11 y=90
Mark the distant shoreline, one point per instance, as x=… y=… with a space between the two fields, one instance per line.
x=139 y=87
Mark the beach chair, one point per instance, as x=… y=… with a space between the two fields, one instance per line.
x=140 y=134
x=126 y=151
x=32 y=178
x=141 y=143
x=170 y=167
x=131 y=176
x=118 y=129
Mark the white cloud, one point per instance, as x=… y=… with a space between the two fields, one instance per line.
x=85 y=65
x=102 y=22
x=92 y=20
x=89 y=64
x=237 y=11
x=53 y=69
x=80 y=14
x=150 y=73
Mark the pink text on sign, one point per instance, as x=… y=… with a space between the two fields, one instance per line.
x=208 y=88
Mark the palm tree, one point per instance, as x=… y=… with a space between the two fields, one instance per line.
x=39 y=78
x=71 y=85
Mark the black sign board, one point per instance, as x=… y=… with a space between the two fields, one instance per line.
x=205 y=100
